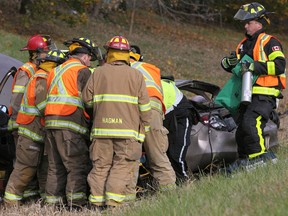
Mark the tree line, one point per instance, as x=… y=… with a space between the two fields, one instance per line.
x=220 y=12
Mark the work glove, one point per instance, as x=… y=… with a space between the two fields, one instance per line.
x=247 y=66
x=230 y=61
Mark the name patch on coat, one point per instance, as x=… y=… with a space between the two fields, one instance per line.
x=112 y=120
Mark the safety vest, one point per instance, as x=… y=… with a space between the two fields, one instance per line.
x=30 y=70
x=265 y=82
x=28 y=110
x=63 y=97
x=152 y=78
x=172 y=95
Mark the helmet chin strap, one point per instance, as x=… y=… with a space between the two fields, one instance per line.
x=33 y=58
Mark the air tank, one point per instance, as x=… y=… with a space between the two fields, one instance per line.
x=246 y=93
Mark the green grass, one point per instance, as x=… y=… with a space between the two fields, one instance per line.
x=259 y=192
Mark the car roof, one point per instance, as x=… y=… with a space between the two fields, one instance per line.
x=6 y=63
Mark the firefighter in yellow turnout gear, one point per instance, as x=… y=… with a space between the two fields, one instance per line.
x=121 y=116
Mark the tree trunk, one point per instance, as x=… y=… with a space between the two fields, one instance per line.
x=132 y=18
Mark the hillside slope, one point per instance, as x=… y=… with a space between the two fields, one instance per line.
x=185 y=51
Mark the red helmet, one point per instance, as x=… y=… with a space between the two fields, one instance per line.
x=118 y=42
x=38 y=43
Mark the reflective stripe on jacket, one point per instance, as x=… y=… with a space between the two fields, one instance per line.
x=265 y=82
x=28 y=110
x=152 y=77
x=63 y=97
x=29 y=68
x=120 y=101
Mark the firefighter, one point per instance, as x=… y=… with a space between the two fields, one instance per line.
x=156 y=141
x=30 y=148
x=121 y=116
x=37 y=46
x=269 y=66
x=67 y=125
x=178 y=121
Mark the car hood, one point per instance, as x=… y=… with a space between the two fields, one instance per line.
x=6 y=63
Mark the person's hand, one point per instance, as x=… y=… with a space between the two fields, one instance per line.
x=247 y=66
x=230 y=61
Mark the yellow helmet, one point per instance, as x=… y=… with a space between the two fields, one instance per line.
x=84 y=45
x=135 y=53
x=252 y=11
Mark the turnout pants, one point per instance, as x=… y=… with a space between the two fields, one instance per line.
x=178 y=122
x=68 y=167
x=29 y=165
x=252 y=120
x=155 y=146
x=113 y=177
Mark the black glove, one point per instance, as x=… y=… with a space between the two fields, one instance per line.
x=249 y=65
x=230 y=61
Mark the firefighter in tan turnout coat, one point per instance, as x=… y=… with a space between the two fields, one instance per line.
x=30 y=159
x=156 y=140
x=121 y=116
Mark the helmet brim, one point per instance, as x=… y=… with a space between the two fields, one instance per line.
x=243 y=15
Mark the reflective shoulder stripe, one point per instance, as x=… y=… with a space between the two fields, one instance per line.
x=29 y=69
x=59 y=72
x=148 y=78
x=138 y=66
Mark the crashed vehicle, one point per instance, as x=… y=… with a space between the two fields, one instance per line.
x=213 y=137
x=213 y=143
x=8 y=67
